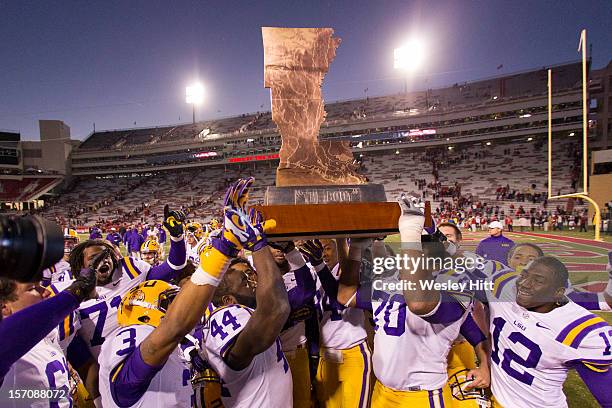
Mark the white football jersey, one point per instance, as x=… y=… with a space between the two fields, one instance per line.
x=340 y=328
x=44 y=367
x=170 y=387
x=59 y=272
x=193 y=253
x=97 y=318
x=532 y=352
x=266 y=382
x=410 y=352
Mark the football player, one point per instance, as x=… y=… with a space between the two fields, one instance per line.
x=30 y=354
x=538 y=335
x=240 y=337
x=61 y=270
x=140 y=367
x=301 y=287
x=462 y=358
x=413 y=332
x=520 y=256
x=193 y=238
x=96 y=318
x=150 y=252
x=95 y=233
x=345 y=364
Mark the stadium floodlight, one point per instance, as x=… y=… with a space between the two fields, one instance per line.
x=410 y=56
x=194 y=95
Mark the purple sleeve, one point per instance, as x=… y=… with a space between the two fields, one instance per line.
x=133 y=379
x=480 y=249
x=449 y=311
x=598 y=383
x=305 y=290
x=364 y=296
x=171 y=266
x=588 y=300
x=470 y=330
x=17 y=333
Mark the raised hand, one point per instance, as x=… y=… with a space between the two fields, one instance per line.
x=259 y=239
x=237 y=195
x=412 y=218
x=84 y=285
x=173 y=221
x=313 y=252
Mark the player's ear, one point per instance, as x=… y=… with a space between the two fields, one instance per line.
x=560 y=294
x=6 y=310
x=228 y=300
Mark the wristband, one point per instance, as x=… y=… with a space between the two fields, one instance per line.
x=348 y=302
x=213 y=265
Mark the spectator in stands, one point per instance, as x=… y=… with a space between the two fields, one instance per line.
x=496 y=246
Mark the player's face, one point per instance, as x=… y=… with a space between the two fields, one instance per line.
x=248 y=272
x=191 y=239
x=242 y=289
x=330 y=252
x=449 y=233
x=495 y=232
x=521 y=257
x=69 y=244
x=149 y=257
x=104 y=273
x=279 y=257
x=536 y=287
x=27 y=294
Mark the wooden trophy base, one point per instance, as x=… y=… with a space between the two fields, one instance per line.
x=331 y=212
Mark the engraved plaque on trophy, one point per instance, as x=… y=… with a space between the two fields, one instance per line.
x=318 y=191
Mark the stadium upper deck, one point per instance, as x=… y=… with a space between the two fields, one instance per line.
x=501 y=107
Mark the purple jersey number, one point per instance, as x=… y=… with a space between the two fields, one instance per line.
x=227 y=320
x=129 y=340
x=387 y=304
x=61 y=367
x=535 y=353
x=102 y=308
x=607 y=351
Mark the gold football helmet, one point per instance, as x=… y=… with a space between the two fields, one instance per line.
x=196 y=229
x=150 y=252
x=71 y=239
x=146 y=303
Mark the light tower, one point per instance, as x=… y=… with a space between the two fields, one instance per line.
x=194 y=95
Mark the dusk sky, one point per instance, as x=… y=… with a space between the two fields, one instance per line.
x=117 y=63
